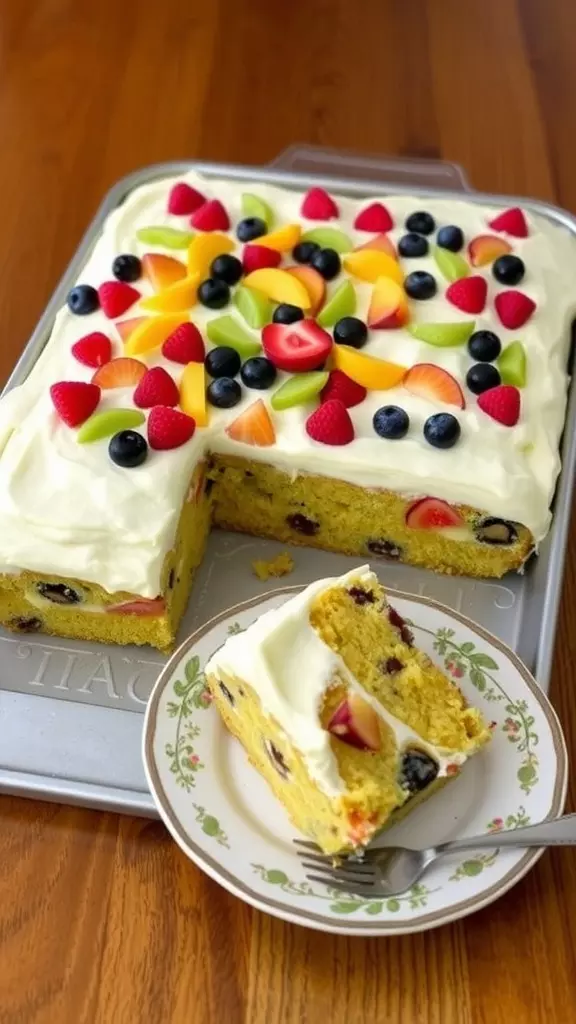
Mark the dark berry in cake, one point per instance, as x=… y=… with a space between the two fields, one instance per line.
x=450 y=237
x=304 y=251
x=83 y=299
x=286 y=313
x=128 y=449
x=250 y=228
x=277 y=759
x=417 y=770
x=495 y=531
x=214 y=293
x=392 y=665
x=259 y=373
x=442 y=430
x=224 y=393
x=361 y=596
x=484 y=346
x=226 y=268
x=222 y=361
x=421 y=222
x=481 y=377
x=302 y=524
x=385 y=549
x=397 y=621
x=327 y=263
x=58 y=593
x=226 y=692
x=508 y=269
x=411 y=246
x=351 y=331
x=420 y=285
x=127 y=268
x=391 y=422
x=26 y=624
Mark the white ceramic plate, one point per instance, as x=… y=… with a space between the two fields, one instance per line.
x=223 y=816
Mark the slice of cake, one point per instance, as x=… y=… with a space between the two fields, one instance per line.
x=349 y=723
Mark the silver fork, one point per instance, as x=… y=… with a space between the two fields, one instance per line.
x=390 y=870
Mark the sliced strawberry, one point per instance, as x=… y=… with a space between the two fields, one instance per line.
x=502 y=403
x=156 y=388
x=211 y=216
x=512 y=221
x=184 y=345
x=343 y=388
x=468 y=294
x=142 y=606
x=116 y=297
x=432 y=514
x=331 y=424
x=374 y=218
x=93 y=349
x=74 y=401
x=126 y=327
x=119 y=373
x=429 y=381
x=259 y=257
x=169 y=428
x=253 y=426
x=296 y=347
x=318 y=205
x=184 y=199
x=514 y=308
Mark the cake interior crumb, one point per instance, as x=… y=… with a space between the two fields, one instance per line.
x=281 y=565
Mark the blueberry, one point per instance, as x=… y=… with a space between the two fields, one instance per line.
x=286 y=313
x=417 y=770
x=258 y=372
x=226 y=268
x=250 y=228
x=451 y=238
x=420 y=222
x=224 y=392
x=351 y=331
x=83 y=299
x=222 y=361
x=128 y=449
x=420 y=285
x=481 y=377
x=25 y=624
x=391 y=422
x=214 y=293
x=302 y=524
x=385 y=549
x=495 y=531
x=398 y=622
x=412 y=245
x=361 y=596
x=508 y=269
x=327 y=263
x=392 y=665
x=304 y=251
x=484 y=346
x=442 y=430
x=127 y=268
x=58 y=593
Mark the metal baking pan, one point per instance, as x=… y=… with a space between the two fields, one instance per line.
x=71 y=712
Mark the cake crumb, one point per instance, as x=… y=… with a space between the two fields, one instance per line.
x=279 y=566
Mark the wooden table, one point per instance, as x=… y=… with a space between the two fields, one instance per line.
x=101 y=918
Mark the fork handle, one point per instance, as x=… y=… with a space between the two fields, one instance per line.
x=555 y=832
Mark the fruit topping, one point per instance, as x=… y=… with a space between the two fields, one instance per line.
x=126 y=328
x=156 y=388
x=512 y=364
x=83 y=299
x=343 y=388
x=481 y=377
x=512 y=221
x=502 y=403
x=278 y=285
x=370 y=264
x=451 y=265
x=255 y=206
x=356 y=723
x=204 y=249
x=214 y=293
x=304 y=251
x=177 y=298
x=223 y=361
x=442 y=430
x=168 y=428
x=313 y=283
x=341 y=303
x=162 y=271
x=142 y=606
x=420 y=285
x=421 y=222
x=468 y=294
x=226 y=330
x=388 y=307
x=318 y=205
x=411 y=246
x=298 y=390
x=104 y=424
x=330 y=424
x=385 y=549
x=254 y=306
x=296 y=347
x=514 y=308
x=432 y=514
x=282 y=239
x=429 y=381
x=58 y=593
x=351 y=331
x=211 y=216
x=151 y=333
x=381 y=243
x=417 y=770
x=374 y=218
x=509 y=270
x=184 y=345
x=253 y=426
x=484 y=346
x=250 y=228
x=486 y=248
x=258 y=373
x=302 y=524
x=374 y=374
x=285 y=313
x=168 y=238
x=128 y=449
x=495 y=531
x=258 y=257
x=116 y=297
x=74 y=401
x=119 y=373
x=193 y=393
x=127 y=268
x=391 y=422
x=224 y=393
x=327 y=263
x=93 y=349
x=450 y=237
x=184 y=199
x=443 y=335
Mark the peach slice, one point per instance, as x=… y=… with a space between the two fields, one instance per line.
x=356 y=722
x=178 y=297
x=314 y=284
x=486 y=248
x=193 y=393
x=151 y=333
x=253 y=426
x=279 y=285
x=380 y=243
x=372 y=373
x=127 y=327
x=388 y=305
x=282 y=239
x=206 y=247
x=370 y=264
x=162 y=271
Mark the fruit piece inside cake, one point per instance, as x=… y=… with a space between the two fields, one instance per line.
x=349 y=723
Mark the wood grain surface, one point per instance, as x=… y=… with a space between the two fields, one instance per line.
x=101 y=917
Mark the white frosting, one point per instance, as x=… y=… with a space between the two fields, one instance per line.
x=65 y=509
x=289 y=667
